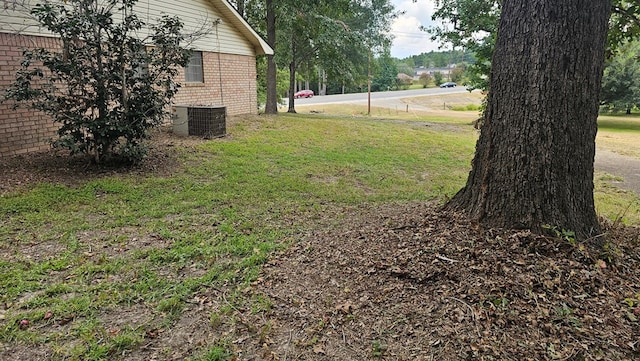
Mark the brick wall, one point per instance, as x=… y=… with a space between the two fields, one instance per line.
x=23 y=130
x=235 y=89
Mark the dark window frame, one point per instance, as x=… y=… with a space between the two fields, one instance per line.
x=194 y=71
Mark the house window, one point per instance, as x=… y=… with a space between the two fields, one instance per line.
x=193 y=71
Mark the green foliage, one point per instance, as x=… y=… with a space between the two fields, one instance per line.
x=624 y=24
x=621 y=80
x=438 y=78
x=217 y=353
x=378 y=348
x=426 y=80
x=440 y=59
x=282 y=82
x=475 y=26
x=457 y=74
x=384 y=73
x=336 y=36
x=564 y=234
x=105 y=87
x=404 y=68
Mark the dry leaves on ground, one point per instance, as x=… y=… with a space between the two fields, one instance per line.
x=408 y=282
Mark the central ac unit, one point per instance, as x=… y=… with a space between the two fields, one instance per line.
x=202 y=121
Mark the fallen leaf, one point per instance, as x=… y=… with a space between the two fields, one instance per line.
x=152 y=333
x=345 y=307
x=318 y=349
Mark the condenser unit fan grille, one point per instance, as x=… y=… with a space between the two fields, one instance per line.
x=207 y=122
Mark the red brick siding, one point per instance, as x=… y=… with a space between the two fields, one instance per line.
x=23 y=130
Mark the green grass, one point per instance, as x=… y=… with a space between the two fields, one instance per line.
x=621 y=123
x=465 y=108
x=620 y=133
x=613 y=203
x=152 y=244
x=83 y=252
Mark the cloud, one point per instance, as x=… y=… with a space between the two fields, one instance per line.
x=408 y=38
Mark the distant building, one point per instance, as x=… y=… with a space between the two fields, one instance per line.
x=446 y=72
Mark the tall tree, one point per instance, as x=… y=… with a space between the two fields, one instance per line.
x=473 y=25
x=384 y=73
x=533 y=164
x=470 y=25
x=621 y=83
x=336 y=35
x=239 y=5
x=271 y=107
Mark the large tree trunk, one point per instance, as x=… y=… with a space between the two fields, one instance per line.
x=272 y=92
x=534 y=159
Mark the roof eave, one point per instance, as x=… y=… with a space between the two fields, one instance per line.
x=227 y=10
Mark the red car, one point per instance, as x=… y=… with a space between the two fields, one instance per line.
x=303 y=94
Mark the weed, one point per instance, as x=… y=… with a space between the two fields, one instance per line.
x=500 y=302
x=378 y=348
x=564 y=234
x=260 y=304
x=215 y=319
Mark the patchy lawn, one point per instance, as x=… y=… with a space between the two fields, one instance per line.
x=297 y=237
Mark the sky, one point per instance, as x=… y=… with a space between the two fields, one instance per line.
x=409 y=39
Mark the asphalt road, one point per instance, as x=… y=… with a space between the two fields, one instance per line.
x=628 y=168
x=361 y=98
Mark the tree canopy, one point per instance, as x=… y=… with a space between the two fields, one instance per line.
x=621 y=82
x=473 y=25
x=331 y=37
x=336 y=36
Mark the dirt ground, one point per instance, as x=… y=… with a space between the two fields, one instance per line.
x=401 y=282
x=408 y=282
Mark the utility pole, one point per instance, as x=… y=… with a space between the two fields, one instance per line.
x=369 y=86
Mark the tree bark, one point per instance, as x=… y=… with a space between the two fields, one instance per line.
x=533 y=165
x=272 y=92
x=293 y=65
x=292 y=85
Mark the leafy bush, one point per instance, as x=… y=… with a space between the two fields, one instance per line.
x=403 y=81
x=438 y=78
x=425 y=80
x=105 y=86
